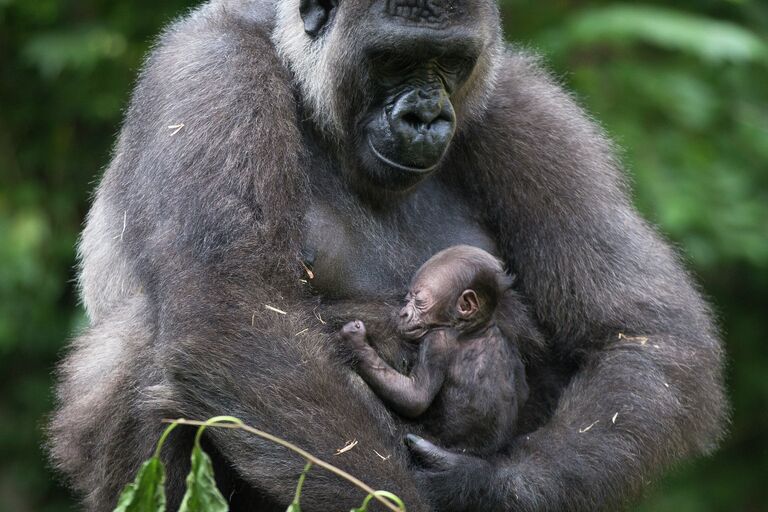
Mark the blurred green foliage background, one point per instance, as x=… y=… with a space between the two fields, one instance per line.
x=681 y=85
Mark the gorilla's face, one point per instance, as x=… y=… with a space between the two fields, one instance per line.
x=408 y=125
x=391 y=80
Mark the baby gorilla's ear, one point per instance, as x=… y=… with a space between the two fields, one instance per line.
x=468 y=304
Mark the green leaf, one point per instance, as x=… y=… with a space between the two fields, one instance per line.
x=147 y=492
x=706 y=38
x=293 y=507
x=202 y=494
x=76 y=48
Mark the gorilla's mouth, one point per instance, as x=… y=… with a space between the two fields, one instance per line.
x=414 y=332
x=410 y=133
x=401 y=167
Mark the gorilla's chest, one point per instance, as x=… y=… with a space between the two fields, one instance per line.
x=357 y=252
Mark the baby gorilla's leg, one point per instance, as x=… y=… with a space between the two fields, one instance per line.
x=354 y=334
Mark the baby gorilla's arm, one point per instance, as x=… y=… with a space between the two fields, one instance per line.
x=410 y=395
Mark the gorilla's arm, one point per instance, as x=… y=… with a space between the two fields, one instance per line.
x=612 y=299
x=408 y=395
x=207 y=216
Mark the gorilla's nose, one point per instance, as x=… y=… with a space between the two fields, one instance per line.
x=422 y=111
x=422 y=121
x=405 y=314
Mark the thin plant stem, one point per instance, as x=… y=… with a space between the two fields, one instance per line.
x=163 y=437
x=385 y=494
x=297 y=497
x=299 y=451
x=217 y=420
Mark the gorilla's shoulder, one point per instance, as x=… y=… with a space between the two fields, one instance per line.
x=207 y=100
x=532 y=103
x=220 y=42
x=215 y=61
x=236 y=17
x=524 y=76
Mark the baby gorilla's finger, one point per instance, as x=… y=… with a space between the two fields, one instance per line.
x=354 y=334
x=354 y=327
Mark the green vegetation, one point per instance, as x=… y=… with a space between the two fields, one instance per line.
x=681 y=86
x=147 y=492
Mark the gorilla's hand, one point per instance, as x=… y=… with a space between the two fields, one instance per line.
x=454 y=482
x=354 y=335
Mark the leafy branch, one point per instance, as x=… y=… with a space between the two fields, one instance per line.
x=147 y=492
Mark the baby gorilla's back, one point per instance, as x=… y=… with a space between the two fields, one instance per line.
x=484 y=389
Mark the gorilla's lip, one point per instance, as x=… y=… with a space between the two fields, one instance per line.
x=401 y=167
x=415 y=332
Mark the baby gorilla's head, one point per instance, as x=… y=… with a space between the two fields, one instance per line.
x=459 y=287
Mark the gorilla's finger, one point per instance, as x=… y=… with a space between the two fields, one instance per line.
x=427 y=453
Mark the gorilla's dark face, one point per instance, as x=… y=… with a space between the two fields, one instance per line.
x=394 y=78
x=411 y=120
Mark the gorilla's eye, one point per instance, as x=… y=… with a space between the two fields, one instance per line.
x=454 y=69
x=453 y=64
x=392 y=65
x=419 y=301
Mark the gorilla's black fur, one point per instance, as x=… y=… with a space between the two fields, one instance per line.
x=284 y=156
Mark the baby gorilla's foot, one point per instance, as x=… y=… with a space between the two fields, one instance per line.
x=354 y=333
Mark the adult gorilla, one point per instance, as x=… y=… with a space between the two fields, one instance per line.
x=358 y=138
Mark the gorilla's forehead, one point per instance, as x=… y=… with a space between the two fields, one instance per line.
x=421 y=26
x=428 y=12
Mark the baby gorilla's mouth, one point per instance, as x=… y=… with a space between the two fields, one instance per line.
x=414 y=332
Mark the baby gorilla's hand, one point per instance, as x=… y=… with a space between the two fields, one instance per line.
x=354 y=334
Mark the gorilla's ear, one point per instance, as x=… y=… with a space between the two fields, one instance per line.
x=468 y=304
x=316 y=14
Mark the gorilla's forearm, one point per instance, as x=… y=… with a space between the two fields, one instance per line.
x=408 y=395
x=633 y=409
x=626 y=414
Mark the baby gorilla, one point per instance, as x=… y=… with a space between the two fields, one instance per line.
x=468 y=382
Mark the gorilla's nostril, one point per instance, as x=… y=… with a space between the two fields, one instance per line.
x=421 y=119
x=413 y=120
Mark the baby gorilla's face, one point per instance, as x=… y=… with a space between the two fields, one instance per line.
x=422 y=311
x=457 y=287
x=431 y=303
